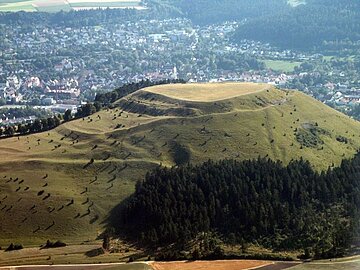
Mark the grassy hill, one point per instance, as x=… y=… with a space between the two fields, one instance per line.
x=63 y=183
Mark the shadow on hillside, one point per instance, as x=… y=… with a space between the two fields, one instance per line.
x=115 y=218
x=115 y=225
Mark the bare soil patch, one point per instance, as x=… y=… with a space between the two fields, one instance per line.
x=210 y=265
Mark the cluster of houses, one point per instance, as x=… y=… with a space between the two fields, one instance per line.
x=14 y=90
x=268 y=77
x=102 y=57
x=343 y=96
x=60 y=66
x=5 y=120
x=10 y=89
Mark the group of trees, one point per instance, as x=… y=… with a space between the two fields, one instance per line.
x=68 y=19
x=22 y=112
x=317 y=24
x=38 y=125
x=101 y=101
x=44 y=124
x=12 y=247
x=281 y=207
x=106 y=99
x=214 y=11
x=354 y=112
x=199 y=11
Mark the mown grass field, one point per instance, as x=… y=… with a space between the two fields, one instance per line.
x=296 y=3
x=64 y=5
x=206 y=92
x=278 y=65
x=51 y=189
x=16 y=5
x=349 y=58
x=107 y=3
x=76 y=254
x=329 y=265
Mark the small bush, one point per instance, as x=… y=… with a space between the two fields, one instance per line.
x=342 y=139
x=14 y=247
x=56 y=244
x=309 y=136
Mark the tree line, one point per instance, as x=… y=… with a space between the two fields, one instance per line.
x=69 y=19
x=106 y=99
x=199 y=11
x=281 y=207
x=213 y=11
x=319 y=24
x=103 y=100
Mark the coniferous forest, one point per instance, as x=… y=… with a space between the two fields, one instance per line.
x=324 y=24
x=280 y=207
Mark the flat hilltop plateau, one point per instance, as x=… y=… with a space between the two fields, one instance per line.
x=62 y=184
x=207 y=92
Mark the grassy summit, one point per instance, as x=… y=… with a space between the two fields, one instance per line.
x=207 y=92
x=63 y=183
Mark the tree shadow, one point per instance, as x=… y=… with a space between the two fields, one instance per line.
x=86 y=214
x=112 y=179
x=94 y=219
x=50 y=226
x=94 y=252
x=105 y=168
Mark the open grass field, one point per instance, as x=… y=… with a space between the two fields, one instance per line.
x=207 y=92
x=16 y=5
x=350 y=58
x=285 y=66
x=62 y=184
x=75 y=254
x=182 y=265
x=330 y=265
x=64 y=5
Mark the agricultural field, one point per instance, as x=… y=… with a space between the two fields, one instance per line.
x=123 y=266
x=284 y=66
x=64 y=5
x=209 y=265
x=350 y=58
x=16 y=5
x=334 y=264
x=295 y=3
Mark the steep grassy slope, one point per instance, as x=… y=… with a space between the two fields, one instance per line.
x=51 y=189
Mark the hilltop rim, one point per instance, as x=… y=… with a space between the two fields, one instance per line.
x=207 y=92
